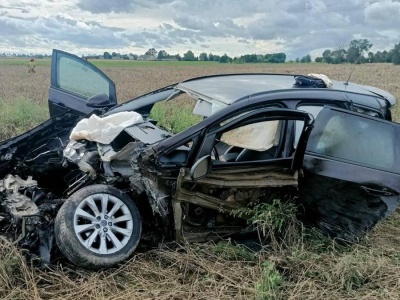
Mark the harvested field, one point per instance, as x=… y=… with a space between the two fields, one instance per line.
x=307 y=266
x=136 y=79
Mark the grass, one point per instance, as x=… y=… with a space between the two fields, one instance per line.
x=175 y=115
x=270 y=281
x=305 y=265
x=20 y=115
x=269 y=218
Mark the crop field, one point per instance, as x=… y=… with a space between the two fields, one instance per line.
x=304 y=265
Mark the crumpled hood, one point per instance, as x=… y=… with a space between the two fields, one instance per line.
x=359 y=88
x=389 y=97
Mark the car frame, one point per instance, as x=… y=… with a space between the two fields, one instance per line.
x=164 y=183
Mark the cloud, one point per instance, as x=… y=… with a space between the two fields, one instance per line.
x=117 y=6
x=297 y=26
x=106 y=6
x=235 y=26
x=137 y=39
x=56 y=29
x=383 y=13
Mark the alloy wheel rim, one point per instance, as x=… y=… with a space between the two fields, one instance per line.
x=103 y=223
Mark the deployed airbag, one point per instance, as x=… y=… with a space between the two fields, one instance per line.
x=104 y=130
x=259 y=136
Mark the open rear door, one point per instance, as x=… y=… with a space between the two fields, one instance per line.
x=351 y=172
x=78 y=85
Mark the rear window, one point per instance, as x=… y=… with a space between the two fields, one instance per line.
x=353 y=138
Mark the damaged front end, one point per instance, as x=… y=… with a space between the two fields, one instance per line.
x=27 y=215
x=28 y=207
x=56 y=163
x=115 y=152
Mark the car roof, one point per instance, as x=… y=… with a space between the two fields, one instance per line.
x=229 y=88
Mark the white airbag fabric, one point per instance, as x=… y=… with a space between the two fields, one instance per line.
x=104 y=130
x=324 y=78
x=259 y=136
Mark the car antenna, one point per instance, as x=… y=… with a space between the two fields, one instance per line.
x=351 y=73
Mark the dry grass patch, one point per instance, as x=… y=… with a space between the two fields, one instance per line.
x=307 y=267
x=195 y=272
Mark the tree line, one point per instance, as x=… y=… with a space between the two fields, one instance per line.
x=358 y=52
x=153 y=54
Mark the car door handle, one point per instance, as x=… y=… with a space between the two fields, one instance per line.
x=375 y=192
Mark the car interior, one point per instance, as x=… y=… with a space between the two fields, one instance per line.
x=255 y=142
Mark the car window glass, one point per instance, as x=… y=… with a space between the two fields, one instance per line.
x=356 y=139
x=74 y=76
x=314 y=111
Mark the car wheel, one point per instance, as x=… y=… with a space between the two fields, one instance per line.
x=98 y=227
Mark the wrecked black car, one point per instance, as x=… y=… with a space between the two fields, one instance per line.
x=97 y=176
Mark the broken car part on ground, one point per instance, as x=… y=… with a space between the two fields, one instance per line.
x=97 y=178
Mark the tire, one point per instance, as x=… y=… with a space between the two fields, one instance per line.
x=85 y=231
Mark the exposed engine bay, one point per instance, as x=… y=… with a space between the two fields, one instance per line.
x=28 y=207
x=27 y=215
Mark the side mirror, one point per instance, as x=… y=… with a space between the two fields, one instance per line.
x=98 y=101
x=200 y=168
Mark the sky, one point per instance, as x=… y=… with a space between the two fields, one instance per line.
x=235 y=27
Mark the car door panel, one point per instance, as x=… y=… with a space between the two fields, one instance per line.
x=58 y=100
x=351 y=174
x=74 y=81
x=224 y=191
x=231 y=185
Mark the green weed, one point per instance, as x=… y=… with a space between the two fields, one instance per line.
x=269 y=218
x=233 y=252
x=20 y=115
x=269 y=283
x=175 y=115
